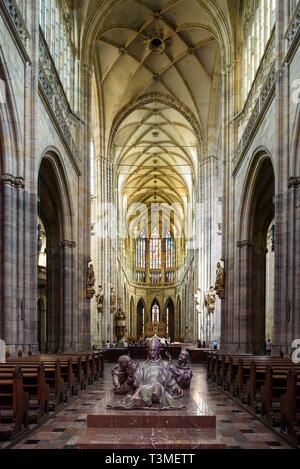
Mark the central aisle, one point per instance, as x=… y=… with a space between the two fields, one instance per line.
x=236 y=427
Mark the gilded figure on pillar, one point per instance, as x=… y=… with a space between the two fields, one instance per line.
x=90 y=282
x=100 y=299
x=220 y=281
x=112 y=300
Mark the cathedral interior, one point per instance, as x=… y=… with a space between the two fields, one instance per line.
x=150 y=186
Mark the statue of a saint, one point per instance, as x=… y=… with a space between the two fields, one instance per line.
x=198 y=300
x=90 y=276
x=183 y=373
x=220 y=281
x=123 y=376
x=90 y=282
x=99 y=299
x=112 y=298
x=211 y=299
x=156 y=387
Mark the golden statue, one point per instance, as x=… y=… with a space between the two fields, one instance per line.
x=220 y=281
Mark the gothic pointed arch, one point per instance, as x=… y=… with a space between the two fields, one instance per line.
x=55 y=212
x=170 y=318
x=140 y=318
x=257 y=211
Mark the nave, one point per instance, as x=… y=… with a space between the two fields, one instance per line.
x=236 y=428
x=149 y=185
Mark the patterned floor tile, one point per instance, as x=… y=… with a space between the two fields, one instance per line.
x=235 y=426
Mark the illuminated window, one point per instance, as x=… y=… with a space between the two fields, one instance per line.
x=141 y=251
x=56 y=24
x=170 y=277
x=259 y=23
x=155 y=312
x=155 y=277
x=169 y=252
x=155 y=250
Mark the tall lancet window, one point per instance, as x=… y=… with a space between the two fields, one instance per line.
x=141 y=251
x=155 y=250
x=169 y=252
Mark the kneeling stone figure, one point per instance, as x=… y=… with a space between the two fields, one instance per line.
x=183 y=373
x=123 y=376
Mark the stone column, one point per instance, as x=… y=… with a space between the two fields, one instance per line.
x=229 y=141
x=293 y=317
x=241 y=328
x=8 y=325
x=281 y=267
x=67 y=301
x=210 y=244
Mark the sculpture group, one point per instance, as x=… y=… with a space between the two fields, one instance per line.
x=152 y=384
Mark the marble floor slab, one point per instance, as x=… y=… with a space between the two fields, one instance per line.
x=64 y=429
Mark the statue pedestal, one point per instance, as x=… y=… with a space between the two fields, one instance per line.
x=190 y=428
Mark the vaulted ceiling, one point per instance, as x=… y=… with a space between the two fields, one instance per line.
x=165 y=48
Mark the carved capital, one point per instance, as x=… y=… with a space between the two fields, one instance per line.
x=17 y=182
x=208 y=159
x=67 y=244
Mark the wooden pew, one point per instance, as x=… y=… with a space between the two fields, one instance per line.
x=34 y=384
x=100 y=362
x=231 y=373
x=93 y=375
x=70 y=369
x=210 y=364
x=243 y=376
x=223 y=370
x=275 y=385
x=217 y=368
x=14 y=403
x=290 y=407
x=254 y=384
x=52 y=376
x=257 y=379
x=81 y=368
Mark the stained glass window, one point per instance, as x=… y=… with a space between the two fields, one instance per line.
x=155 y=277
x=170 y=277
x=169 y=251
x=140 y=277
x=155 y=250
x=141 y=251
x=155 y=310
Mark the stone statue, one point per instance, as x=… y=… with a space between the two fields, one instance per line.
x=112 y=299
x=99 y=299
x=220 y=281
x=183 y=373
x=90 y=281
x=198 y=300
x=156 y=387
x=123 y=376
x=211 y=299
x=90 y=276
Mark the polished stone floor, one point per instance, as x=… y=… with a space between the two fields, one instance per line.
x=235 y=426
